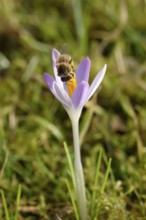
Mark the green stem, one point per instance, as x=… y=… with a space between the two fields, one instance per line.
x=80 y=183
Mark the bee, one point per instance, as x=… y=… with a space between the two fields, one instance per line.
x=65 y=68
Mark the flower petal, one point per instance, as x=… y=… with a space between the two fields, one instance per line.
x=62 y=95
x=96 y=82
x=83 y=70
x=49 y=80
x=55 y=55
x=79 y=96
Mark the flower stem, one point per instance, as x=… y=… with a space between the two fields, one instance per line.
x=80 y=183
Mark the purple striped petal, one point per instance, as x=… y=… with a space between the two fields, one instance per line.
x=50 y=83
x=96 y=82
x=49 y=80
x=79 y=96
x=83 y=70
x=62 y=95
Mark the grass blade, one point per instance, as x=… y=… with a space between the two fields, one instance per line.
x=72 y=201
x=96 y=181
x=17 y=202
x=71 y=167
x=106 y=176
x=5 y=205
x=103 y=187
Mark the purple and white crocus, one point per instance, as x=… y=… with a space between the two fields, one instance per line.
x=83 y=91
x=73 y=105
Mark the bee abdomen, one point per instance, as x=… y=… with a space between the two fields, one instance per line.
x=62 y=70
x=65 y=68
x=67 y=78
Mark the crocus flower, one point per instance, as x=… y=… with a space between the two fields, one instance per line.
x=74 y=95
x=78 y=97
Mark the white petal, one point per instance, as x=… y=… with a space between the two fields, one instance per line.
x=62 y=95
x=55 y=55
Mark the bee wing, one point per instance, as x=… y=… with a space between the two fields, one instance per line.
x=64 y=49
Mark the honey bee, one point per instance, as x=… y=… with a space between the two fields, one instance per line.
x=65 y=68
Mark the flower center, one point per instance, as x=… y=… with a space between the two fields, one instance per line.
x=71 y=85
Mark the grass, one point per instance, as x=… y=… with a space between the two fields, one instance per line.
x=6 y=210
x=33 y=125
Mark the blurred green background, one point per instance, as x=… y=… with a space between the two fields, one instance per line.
x=33 y=124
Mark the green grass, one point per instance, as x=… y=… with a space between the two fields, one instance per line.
x=34 y=126
x=7 y=213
